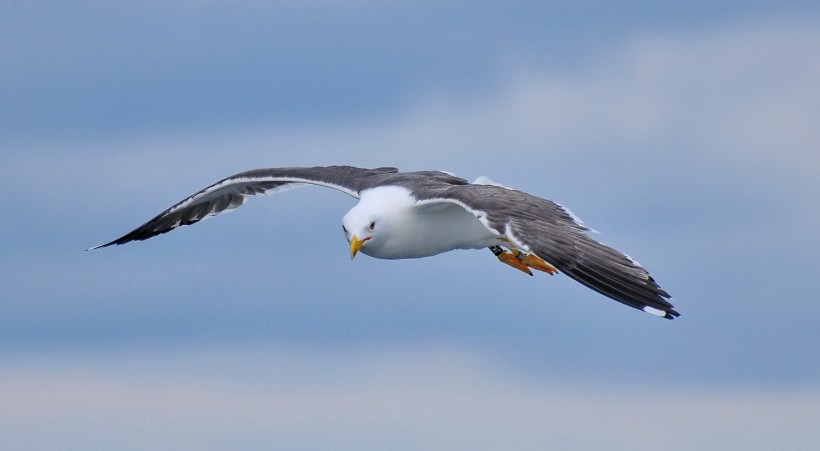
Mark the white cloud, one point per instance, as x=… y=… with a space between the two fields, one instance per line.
x=689 y=127
x=717 y=127
x=425 y=398
x=743 y=100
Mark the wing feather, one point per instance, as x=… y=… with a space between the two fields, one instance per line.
x=231 y=192
x=556 y=235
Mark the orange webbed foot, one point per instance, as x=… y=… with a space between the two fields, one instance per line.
x=510 y=259
x=538 y=264
x=522 y=261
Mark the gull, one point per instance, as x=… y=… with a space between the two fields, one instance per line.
x=420 y=214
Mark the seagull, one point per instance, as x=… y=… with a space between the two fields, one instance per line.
x=420 y=214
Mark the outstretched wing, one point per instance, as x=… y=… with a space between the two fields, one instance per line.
x=554 y=234
x=231 y=192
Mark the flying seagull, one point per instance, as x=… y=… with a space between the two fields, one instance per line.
x=419 y=214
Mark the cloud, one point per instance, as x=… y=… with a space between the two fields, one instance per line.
x=262 y=397
x=741 y=98
x=692 y=152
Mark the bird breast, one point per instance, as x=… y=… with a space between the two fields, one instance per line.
x=421 y=232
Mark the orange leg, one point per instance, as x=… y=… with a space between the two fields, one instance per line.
x=510 y=259
x=521 y=261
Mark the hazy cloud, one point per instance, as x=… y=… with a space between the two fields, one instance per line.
x=419 y=398
x=692 y=148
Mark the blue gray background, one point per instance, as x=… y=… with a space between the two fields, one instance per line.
x=687 y=133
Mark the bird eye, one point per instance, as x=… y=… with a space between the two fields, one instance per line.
x=372 y=225
x=344 y=229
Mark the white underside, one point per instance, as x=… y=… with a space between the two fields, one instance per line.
x=416 y=231
x=423 y=233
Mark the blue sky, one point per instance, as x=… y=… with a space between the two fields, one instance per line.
x=685 y=132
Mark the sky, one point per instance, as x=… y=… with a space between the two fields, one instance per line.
x=686 y=133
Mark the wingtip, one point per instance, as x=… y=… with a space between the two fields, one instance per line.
x=99 y=246
x=661 y=313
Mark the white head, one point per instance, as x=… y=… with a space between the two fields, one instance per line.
x=364 y=229
x=376 y=225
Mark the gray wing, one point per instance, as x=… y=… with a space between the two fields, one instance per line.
x=554 y=234
x=231 y=192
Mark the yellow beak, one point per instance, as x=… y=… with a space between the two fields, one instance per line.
x=355 y=245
